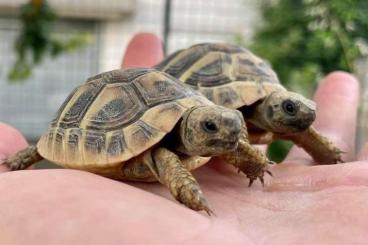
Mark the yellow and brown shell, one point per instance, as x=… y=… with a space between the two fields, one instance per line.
x=226 y=74
x=114 y=117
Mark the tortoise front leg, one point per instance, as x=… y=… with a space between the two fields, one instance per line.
x=248 y=159
x=257 y=136
x=263 y=138
x=318 y=146
x=23 y=159
x=170 y=171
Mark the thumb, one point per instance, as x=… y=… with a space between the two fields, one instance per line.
x=337 y=97
x=11 y=141
x=144 y=50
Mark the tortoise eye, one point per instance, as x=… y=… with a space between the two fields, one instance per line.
x=289 y=107
x=209 y=127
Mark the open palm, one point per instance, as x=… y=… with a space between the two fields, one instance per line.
x=301 y=204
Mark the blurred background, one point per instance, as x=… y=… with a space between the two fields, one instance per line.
x=49 y=47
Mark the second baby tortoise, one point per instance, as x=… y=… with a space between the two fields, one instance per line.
x=234 y=77
x=144 y=125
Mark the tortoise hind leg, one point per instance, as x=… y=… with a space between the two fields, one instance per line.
x=23 y=159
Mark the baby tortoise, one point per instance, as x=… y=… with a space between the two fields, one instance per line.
x=236 y=78
x=143 y=125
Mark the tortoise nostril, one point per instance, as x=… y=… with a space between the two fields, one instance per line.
x=232 y=122
x=309 y=118
x=313 y=116
x=238 y=126
x=228 y=122
x=234 y=133
x=235 y=130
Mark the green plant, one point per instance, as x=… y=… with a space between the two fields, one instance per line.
x=306 y=39
x=35 y=40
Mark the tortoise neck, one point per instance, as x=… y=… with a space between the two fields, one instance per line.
x=258 y=114
x=181 y=133
x=174 y=141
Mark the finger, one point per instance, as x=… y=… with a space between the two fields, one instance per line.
x=337 y=98
x=144 y=50
x=11 y=141
x=298 y=177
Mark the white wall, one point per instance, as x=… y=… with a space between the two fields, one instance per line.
x=115 y=35
x=192 y=21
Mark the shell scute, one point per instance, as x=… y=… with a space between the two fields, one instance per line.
x=117 y=106
x=211 y=74
x=157 y=88
x=78 y=105
x=116 y=145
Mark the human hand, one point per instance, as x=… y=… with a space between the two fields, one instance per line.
x=300 y=204
x=11 y=141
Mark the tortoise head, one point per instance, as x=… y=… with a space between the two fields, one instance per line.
x=210 y=130
x=285 y=112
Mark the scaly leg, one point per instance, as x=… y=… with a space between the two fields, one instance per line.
x=169 y=170
x=249 y=160
x=318 y=146
x=23 y=159
x=261 y=138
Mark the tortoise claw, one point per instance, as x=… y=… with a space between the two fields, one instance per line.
x=339 y=157
x=260 y=177
x=338 y=151
x=251 y=180
x=262 y=180
x=209 y=211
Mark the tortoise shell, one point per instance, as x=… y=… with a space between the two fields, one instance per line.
x=226 y=74
x=113 y=118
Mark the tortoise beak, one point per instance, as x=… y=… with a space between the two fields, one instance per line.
x=305 y=122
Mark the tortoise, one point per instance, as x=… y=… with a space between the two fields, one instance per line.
x=236 y=78
x=144 y=125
